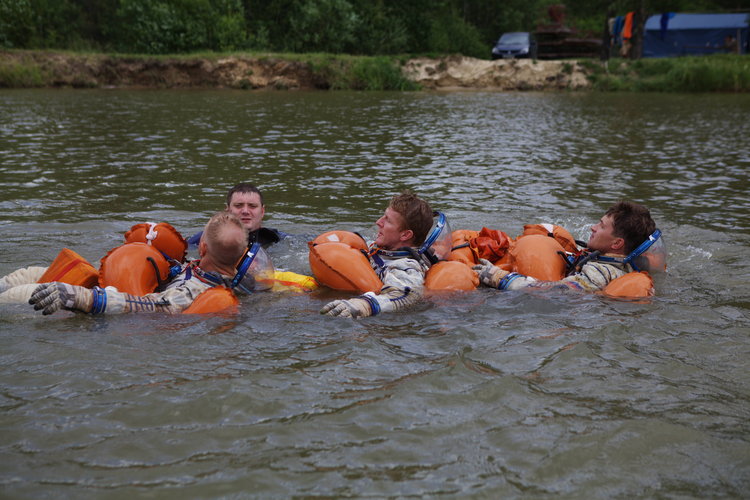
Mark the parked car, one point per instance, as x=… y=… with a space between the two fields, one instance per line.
x=515 y=44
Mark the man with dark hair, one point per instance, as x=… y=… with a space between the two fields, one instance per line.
x=396 y=259
x=245 y=201
x=221 y=248
x=622 y=229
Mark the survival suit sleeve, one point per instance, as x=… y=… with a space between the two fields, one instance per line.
x=594 y=276
x=172 y=301
x=23 y=276
x=403 y=286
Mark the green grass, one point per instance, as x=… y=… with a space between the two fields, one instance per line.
x=714 y=73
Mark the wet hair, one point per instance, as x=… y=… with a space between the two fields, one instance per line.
x=226 y=247
x=632 y=222
x=244 y=187
x=416 y=212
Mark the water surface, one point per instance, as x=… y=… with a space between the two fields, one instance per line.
x=482 y=394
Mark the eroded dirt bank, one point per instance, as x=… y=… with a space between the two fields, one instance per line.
x=49 y=69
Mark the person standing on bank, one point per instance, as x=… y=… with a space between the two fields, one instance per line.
x=245 y=201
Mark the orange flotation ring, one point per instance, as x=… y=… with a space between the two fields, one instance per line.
x=537 y=256
x=161 y=236
x=563 y=237
x=134 y=268
x=631 y=285
x=218 y=299
x=450 y=275
x=461 y=250
x=337 y=261
x=69 y=267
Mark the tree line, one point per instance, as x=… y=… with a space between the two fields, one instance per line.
x=362 y=27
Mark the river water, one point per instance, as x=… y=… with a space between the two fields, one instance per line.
x=476 y=395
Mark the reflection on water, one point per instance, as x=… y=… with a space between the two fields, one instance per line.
x=484 y=393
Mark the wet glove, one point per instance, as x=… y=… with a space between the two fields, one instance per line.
x=352 y=308
x=49 y=297
x=489 y=274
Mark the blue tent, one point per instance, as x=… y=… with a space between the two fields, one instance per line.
x=671 y=34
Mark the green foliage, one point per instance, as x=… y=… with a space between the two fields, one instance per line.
x=322 y=25
x=369 y=27
x=715 y=73
x=21 y=74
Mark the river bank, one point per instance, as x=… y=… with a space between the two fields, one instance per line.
x=25 y=69
x=56 y=69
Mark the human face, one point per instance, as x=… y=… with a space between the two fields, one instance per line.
x=247 y=208
x=390 y=235
x=602 y=237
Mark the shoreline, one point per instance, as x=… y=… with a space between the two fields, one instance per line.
x=245 y=71
x=53 y=69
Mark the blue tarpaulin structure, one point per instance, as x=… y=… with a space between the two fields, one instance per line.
x=673 y=34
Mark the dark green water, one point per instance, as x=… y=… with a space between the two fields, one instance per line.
x=484 y=394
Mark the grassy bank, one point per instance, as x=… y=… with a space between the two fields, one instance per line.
x=714 y=73
x=28 y=69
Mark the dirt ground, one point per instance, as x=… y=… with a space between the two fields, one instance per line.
x=454 y=72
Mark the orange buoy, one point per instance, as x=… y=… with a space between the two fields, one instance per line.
x=450 y=275
x=134 y=268
x=563 y=237
x=538 y=256
x=341 y=267
x=69 y=267
x=635 y=284
x=218 y=299
x=161 y=236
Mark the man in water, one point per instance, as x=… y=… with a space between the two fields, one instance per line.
x=246 y=202
x=221 y=247
x=621 y=230
x=394 y=255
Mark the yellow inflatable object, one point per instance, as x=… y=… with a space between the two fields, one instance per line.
x=631 y=285
x=287 y=281
x=537 y=256
x=218 y=299
x=161 y=236
x=134 y=268
x=69 y=267
x=451 y=275
x=337 y=261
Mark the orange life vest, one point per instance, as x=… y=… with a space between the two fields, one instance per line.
x=218 y=299
x=337 y=261
x=69 y=267
x=635 y=284
x=538 y=256
x=134 y=268
x=450 y=275
x=161 y=236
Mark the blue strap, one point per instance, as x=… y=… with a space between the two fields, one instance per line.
x=99 y=304
x=507 y=280
x=373 y=303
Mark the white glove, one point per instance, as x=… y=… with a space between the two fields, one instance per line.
x=489 y=274
x=49 y=297
x=352 y=308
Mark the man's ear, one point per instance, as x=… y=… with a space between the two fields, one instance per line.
x=202 y=248
x=618 y=244
x=407 y=235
